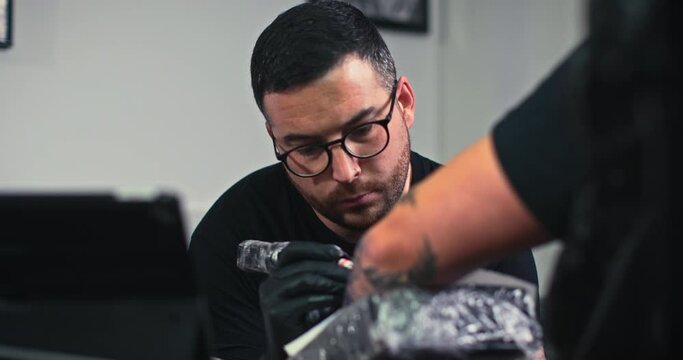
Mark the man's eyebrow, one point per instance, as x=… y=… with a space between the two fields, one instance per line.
x=355 y=119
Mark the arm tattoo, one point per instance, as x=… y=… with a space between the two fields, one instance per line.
x=421 y=273
x=408 y=199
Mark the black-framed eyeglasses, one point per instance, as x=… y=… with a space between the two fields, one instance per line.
x=363 y=142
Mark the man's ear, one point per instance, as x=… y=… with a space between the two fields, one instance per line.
x=405 y=101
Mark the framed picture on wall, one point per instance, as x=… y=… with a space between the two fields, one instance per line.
x=404 y=15
x=5 y=23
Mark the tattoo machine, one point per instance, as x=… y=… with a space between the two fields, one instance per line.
x=261 y=256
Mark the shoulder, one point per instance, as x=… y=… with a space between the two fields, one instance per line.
x=241 y=204
x=264 y=181
x=421 y=167
x=238 y=214
x=261 y=185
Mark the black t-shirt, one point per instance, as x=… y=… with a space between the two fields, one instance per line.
x=577 y=151
x=265 y=206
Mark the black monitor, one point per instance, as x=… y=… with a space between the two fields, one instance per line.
x=97 y=276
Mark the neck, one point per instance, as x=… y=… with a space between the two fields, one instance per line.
x=350 y=235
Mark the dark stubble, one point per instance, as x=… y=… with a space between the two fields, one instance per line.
x=390 y=189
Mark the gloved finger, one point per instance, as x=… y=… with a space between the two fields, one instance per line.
x=311 y=284
x=319 y=307
x=294 y=311
x=316 y=315
x=328 y=269
x=301 y=284
x=294 y=314
x=308 y=250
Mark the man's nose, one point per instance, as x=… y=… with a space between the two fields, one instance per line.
x=345 y=168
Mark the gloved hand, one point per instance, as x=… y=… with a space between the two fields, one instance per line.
x=306 y=286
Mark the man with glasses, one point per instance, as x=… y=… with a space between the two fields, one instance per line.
x=338 y=118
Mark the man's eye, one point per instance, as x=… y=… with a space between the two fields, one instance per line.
x=309 y=151
x=361 y=132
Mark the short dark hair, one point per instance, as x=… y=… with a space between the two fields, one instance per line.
x=305 y=42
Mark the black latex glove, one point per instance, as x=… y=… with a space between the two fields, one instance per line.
x=306 y=286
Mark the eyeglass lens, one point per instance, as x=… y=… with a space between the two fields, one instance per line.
x=363 y=142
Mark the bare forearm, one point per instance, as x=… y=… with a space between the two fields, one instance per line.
x=460 y=217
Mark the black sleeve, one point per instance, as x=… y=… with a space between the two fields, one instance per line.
x=232 y=295
x=538 y=144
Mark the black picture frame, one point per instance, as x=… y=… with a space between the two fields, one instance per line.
x=402 y=15
x=5 y=24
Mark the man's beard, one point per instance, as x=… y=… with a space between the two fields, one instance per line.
x=362 y=218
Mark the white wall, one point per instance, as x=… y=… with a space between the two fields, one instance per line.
x=495 y=52
x=149 y=94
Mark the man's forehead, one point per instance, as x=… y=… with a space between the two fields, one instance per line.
x=352 y=87
x=313 y=123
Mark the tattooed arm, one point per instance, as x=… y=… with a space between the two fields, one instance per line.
x=463 y=215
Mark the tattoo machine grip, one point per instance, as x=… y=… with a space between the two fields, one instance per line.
x=259 y=256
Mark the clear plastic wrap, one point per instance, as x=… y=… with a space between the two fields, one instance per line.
x=259 y=256
x=464 y=321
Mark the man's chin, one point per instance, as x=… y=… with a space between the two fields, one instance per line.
x=359 y=221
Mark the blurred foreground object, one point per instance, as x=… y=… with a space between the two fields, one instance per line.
x=96 y=276
x=612 y=292
x=493 y=317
